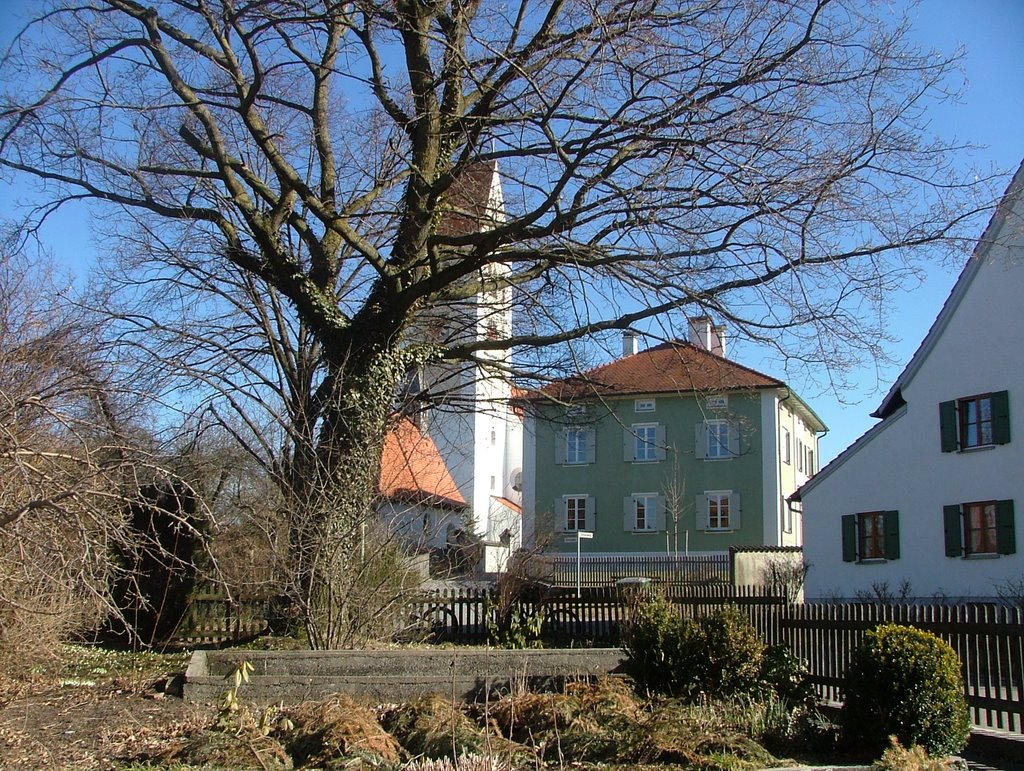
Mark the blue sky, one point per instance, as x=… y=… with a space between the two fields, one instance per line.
x=991 y=114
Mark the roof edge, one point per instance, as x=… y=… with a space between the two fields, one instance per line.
x=984 y=244
x=848 y=453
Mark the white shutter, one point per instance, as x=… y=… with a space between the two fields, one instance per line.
x=734 y=439
x=560 y=447
x=700 y=447
x=703 y=512
x=628 y=445
x=659 y=516
x=589 y=521
x=560 y=515
x=734 y=511
x=628 y=514
x=662 y=443
x=591 y=446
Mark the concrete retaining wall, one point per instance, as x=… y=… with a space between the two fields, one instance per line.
x=390 y=675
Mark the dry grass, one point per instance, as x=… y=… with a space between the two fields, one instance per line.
x=339 y=727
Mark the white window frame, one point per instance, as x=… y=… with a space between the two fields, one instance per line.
x=644 y=405
x=715 y=449
x=799 y=455
x=715 y=500
x=645 y=450
x=576 y=440
x=787 y=447
x=575 y=511
x=649 y=502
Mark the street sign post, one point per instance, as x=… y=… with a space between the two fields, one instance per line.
x=578 y=537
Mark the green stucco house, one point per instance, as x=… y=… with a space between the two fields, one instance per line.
x=674 y=449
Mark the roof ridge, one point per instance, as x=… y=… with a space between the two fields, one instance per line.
x=675 y=344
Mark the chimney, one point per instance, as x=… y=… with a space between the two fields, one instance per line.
x=718 y=340
x=630 y=342
x=710 y=337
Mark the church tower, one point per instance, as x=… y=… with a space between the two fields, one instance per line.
x=469 y=415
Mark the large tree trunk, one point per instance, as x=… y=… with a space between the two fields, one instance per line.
x=335 y=499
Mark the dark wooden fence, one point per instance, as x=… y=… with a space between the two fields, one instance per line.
x=214 y=619
x=989 y=640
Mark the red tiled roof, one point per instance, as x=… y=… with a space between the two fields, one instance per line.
x=511 y=505
x=674 y=367
x=411 y=469
x=467 y=202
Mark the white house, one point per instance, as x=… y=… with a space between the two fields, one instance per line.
x=930 y=495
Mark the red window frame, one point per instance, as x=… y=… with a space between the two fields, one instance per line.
x=871 y=535
x=975 y=420
x=980 y=535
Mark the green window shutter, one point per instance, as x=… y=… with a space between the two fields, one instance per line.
x=948 y=428
x=561 y=452
x=591 y=446
x=662 y=442
x=849 y=522
x=734 y=439
x=628 y=514
x=891 y=527
x=1001 y=417
x=628 y=445
x=700 y=442
x=954 y=531
x=1006 y=540
x=589 y=522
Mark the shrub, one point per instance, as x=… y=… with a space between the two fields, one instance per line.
x=717 y=655
x=731 y=650
x=785 y=674
x=906 y=683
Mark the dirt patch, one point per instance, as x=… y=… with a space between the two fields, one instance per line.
x=50 y=725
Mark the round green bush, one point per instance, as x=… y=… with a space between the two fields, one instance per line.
x=906 y=683
x=717 y=655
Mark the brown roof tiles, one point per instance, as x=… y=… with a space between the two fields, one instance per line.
x=674 y=367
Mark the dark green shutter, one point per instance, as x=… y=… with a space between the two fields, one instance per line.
x=891 y=526
x=1006 y=541
x=954 y=531
x=849 y=537
x=948 y=427
x=1001 y=417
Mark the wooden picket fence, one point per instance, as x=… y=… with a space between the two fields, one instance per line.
x=215 y=619
x=597 y=571
x=988 y=639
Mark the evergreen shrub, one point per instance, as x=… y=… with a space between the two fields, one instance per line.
x=717 y=655
x=906 y=683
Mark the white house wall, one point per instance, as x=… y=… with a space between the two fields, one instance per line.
x=900 y=466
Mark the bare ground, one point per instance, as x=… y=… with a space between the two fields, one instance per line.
x=68 y=723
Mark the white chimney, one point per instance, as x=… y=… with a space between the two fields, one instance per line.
x=630 y=342
x=718 y=340
x=710 y=337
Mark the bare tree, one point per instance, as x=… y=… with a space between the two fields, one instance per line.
x=65 y=464
x=763 y=161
